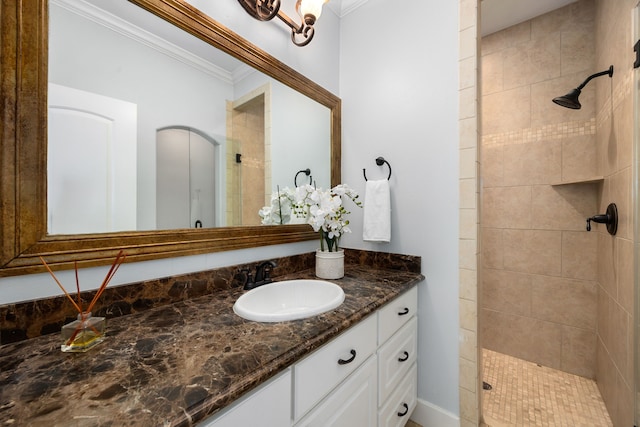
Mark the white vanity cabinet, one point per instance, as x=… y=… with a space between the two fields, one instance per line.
x=366 y=377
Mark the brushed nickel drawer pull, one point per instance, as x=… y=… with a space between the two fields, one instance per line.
x=404 y=358
x=349 y=360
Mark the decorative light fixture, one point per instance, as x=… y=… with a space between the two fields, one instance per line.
x=309 y=11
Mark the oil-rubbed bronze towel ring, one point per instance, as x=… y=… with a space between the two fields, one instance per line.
x=307 y=172
x=379 y=161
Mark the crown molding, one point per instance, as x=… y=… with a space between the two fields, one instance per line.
x=344 y=7
x=125 y=28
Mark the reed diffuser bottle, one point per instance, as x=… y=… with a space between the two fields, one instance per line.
x=83 y=333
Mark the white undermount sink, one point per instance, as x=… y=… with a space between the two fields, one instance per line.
x=289 y=300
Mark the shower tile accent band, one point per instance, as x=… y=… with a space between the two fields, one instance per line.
x=543 y=133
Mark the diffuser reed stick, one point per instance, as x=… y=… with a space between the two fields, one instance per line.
x=86 y=331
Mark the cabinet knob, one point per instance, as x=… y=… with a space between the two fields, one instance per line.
x=403 y=312
x=406 y=410
x=404 y=358
x=349 y=360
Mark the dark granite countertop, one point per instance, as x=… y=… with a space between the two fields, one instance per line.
x=177 y=364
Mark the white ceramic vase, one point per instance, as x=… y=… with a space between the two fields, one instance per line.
x=330 y=265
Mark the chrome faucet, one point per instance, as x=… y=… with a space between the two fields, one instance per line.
x=262 y=276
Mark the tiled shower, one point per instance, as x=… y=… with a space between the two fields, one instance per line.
x=553 y=293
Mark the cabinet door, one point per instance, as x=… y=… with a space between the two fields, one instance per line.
x=268 y=406
x=352 y=404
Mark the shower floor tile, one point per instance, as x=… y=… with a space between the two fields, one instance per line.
x=526 y=394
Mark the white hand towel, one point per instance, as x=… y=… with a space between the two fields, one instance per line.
x=377 y=212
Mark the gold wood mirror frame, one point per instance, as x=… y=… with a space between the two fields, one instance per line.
x=23 y=150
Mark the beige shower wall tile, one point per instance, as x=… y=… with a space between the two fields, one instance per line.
x=468 y=193
x=468 y=43
x=468 y=375
x=533 y=251
x=468 y=284
x=565 y=301
x=544 y=112
x=468 y=254
x=468 y=73
x=505 y=111
x=517 y=34
x=625 y=260
x=532 y=163
x=577 y=51
x=493 y=43
x=492 y=73
x=468 y=13
x=607 y=146
x=623 y=122
x=576 y=17
x=532 y=62
x=507 y=207
x=578 y=355
x=506 y=291
x=468 y=315
x=615 y=334
x=579 y=255
x=468 y=345
x=563 y=207
x=523 y=337
x=624 y=402
x=468 y=223
x=492 y=248
x=492 y=166
x=468 y=133
x=468 y=405
x=468 y=103
x=579 y=158
x=618 y=191
x=468 y=162
x=605 y=373
x=606 y=263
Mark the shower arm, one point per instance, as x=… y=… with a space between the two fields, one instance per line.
x=601 y=73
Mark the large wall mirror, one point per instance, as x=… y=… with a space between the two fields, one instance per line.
x=145 y=125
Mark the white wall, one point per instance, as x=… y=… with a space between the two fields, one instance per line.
x=398 y=83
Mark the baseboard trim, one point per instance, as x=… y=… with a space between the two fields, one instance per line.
x=429 y=415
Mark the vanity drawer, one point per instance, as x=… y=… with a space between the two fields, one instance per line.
x=398 y=409
x=396 y=313
x=324 y=369
x=396 y=357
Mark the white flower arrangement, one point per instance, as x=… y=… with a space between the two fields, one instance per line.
x=280 y=209
x=322 y=209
